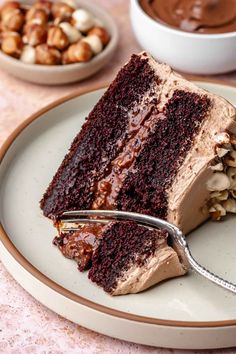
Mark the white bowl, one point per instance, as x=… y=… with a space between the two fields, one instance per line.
x=63 y=74
x=184 y=51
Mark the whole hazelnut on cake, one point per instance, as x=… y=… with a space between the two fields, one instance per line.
x=57 y=38
x=79 y=52
x=101 y=33
x=47 y=56
x=12 y=44
x=35 y=34
x=83 y=20
x=37 y=16
x=13 y=19
x=61 y=11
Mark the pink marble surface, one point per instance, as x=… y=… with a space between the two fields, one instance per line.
x=26 y=326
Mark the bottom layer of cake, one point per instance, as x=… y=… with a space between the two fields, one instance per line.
x=122 y=257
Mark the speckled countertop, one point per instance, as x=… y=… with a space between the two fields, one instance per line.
x=26 y=326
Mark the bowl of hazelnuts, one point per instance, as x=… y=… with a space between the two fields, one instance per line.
x=55 y=42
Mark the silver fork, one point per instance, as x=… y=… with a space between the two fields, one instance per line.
x=177 y=237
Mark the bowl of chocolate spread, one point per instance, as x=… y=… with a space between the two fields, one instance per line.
x=193 y=36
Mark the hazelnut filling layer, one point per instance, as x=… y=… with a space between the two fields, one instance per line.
x=222 y=184
x=80 y=245
x=140 y=125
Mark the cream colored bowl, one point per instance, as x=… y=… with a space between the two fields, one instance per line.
x=187 y=52
x=63 y=74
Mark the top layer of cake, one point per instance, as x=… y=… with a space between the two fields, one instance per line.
x=146 y=147
x=99 y=141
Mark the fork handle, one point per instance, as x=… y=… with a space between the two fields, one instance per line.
x=207 y=274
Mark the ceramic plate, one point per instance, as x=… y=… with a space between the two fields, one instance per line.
x=186 y=312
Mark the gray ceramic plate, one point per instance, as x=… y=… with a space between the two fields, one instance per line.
x=64 y=74
x=186 y=312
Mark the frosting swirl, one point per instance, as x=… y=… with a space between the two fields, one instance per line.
x=199 y=16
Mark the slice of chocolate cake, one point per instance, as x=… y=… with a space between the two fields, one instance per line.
x=130 y=258
x=155 y=143
x=123 y=257
x=147 y=146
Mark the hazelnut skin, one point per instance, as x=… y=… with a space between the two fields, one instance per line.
x=38 y=16
x=79 y=52
x=61 y=11
x=47 y=56
x=44 y=5
x=9 y=6
x=57 y=38
x=101 y=33
x=12 y=44
x=13 y=20
x=35 y=34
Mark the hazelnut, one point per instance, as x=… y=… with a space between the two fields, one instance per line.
x=13 y=20
x=221 y=152
x=233 y=140
x=71 y=32
x=217 y=211
x=94 y=42
x=230 y=159
x=218 y=182
x=61 y=11
x=44 y=5
x=230 y=205
x=35 y=34
x=47 y=56
x=218 y=167
x=71 y=3
x=101 y=33
x=233 y=193
x=37 y=16
x=79 y=52
x=220 y=195
x=231 y=173
x=57 y=38
x=222 y=138
x=8 y=6
x=28 y=55
x=83 y=20
x=12 y=44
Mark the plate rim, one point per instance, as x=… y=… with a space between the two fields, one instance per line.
x=19 y=257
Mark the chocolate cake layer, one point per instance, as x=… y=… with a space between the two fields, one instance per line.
x=99 y=141
x=122 y=245
x=144 y=189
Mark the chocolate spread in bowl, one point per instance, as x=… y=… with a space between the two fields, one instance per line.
x=197 y=16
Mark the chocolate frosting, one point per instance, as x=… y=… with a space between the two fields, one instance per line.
x=199 y=16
